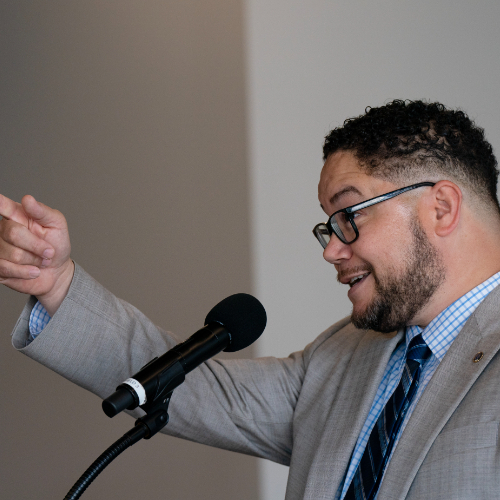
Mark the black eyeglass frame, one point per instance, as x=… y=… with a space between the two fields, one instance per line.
x=350 y=211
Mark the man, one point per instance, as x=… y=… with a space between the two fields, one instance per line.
x=402 y=400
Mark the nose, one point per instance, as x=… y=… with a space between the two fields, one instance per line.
x=336 y=251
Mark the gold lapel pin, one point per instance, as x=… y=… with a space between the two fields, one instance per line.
x=478 y=357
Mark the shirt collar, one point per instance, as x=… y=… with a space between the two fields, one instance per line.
x=443 y=329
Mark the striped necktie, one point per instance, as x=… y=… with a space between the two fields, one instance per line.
x=368 y=475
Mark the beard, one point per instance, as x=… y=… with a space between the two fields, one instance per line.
x=400 y=297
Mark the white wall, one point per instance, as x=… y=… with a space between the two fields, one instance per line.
x=311 y=65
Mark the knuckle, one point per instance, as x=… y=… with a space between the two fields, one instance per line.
x=60 y=216
x=11 y=232
x=17 y=255
x=5 y=271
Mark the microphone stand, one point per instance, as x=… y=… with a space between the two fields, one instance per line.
x=145 y=427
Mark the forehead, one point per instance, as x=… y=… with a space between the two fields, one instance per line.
x=343 y=179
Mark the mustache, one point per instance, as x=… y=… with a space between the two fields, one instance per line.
x=366 y=268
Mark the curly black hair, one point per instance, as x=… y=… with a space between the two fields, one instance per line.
x=408 y=139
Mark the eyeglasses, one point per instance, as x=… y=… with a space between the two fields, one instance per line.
x=341 y=223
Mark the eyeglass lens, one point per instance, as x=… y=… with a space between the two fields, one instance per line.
x=342 y=226
x=322 y=234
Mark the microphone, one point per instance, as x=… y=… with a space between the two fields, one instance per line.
x=233 y=324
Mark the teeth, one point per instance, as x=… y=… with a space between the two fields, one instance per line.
x=357 y=278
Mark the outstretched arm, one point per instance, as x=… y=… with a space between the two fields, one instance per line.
x=97 y=341
x=35 y=251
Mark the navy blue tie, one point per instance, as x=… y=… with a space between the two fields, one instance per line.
x=368 y=475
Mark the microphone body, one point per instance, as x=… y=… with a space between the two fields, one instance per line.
x=231 y=325
x=163 y=374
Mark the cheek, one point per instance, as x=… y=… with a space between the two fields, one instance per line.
x=393 y=225
x=386 y=245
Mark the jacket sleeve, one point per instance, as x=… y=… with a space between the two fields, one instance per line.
x=97 y=341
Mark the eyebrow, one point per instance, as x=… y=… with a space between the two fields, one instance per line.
x=348 y=189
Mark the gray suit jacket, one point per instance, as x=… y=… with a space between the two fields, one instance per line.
x=307 y=410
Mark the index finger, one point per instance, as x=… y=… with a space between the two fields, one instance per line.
x=9 y=209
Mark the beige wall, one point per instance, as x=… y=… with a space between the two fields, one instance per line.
x=129 y=118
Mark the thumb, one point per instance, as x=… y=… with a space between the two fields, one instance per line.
x=44 y=215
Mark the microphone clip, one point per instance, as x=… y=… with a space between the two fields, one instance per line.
x=156 y=415
x=156 y=408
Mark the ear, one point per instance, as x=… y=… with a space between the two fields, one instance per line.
x=445 y=203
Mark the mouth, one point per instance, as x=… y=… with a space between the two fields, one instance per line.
x=355 y=281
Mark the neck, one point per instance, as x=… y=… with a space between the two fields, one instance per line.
x=469 y=261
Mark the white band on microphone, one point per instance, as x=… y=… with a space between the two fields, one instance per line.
x=138 y=388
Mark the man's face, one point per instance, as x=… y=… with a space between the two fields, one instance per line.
x=392 y=269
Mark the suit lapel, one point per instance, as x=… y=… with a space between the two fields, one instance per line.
x=348 y=413
x=451 y=382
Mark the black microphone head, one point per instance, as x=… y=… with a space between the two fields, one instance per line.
x=244 y=318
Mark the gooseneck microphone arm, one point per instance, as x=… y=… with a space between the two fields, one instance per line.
x=145 y=427
x=233 y=324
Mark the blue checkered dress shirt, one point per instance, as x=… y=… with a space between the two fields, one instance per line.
x=438 y=335
x=39 y=319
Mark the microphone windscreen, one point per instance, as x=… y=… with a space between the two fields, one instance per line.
x=243 y=316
